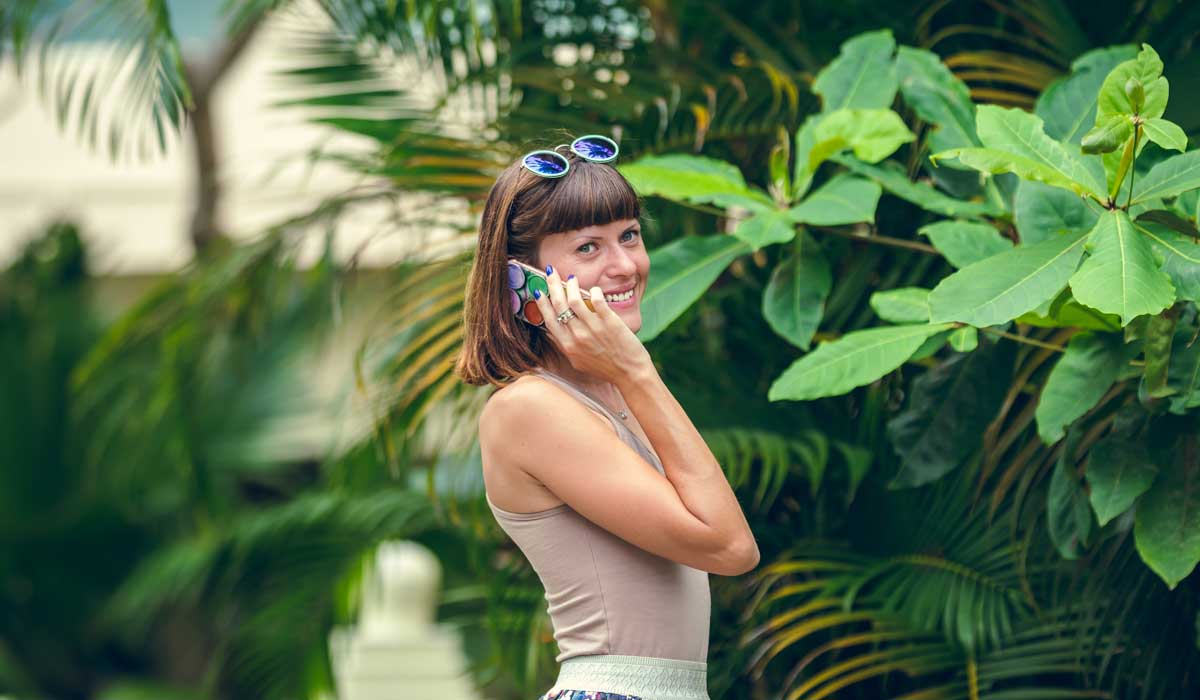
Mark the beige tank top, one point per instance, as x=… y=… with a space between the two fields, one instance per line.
x=605 y=595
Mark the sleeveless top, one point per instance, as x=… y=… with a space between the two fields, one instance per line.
x=605 y=595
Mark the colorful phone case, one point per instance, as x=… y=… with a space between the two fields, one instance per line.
x=522 y=280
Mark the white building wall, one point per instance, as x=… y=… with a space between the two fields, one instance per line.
x=135 y=215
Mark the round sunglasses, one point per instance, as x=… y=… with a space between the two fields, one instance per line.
x=593 y=147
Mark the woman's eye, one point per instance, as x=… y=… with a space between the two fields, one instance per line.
x=581 y=248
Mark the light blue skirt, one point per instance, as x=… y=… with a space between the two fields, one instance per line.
x=623 y=677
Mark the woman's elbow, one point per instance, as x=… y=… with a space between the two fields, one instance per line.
x=738 y=558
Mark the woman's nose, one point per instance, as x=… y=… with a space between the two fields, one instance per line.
x=622 y=265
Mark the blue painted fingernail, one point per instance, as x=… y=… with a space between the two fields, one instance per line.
x=537 y=294
x=571 y=276
x=549 y=269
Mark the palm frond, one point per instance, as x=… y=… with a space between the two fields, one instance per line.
x=267 y=572
x=202 y=379
x=767 y=460
x=113 y=67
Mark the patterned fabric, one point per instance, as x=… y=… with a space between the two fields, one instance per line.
x=586 y=695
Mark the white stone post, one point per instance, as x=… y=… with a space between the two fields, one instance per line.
x=397 y=651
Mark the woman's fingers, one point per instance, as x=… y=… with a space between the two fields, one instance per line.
x=599 y=303
x=546 y=305
x=557 y=296
x=575 y=302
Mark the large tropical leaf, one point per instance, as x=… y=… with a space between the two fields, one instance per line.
x=965 y=242
x=845 y=199
x=1167 y=526
x=1118 y=471
x=1170 y=178
x=1068 y=105
x=1006 y=285
x=794 y=300
x=863 y=75
x=897 y=183
x=683 y=270
x=1084 y=373
x=1015 y=141
x=857 y=358
x=1041 y=211
x=938 y=97
x=948 y=409
x=1120 y=275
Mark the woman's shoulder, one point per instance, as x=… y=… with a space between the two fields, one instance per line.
x=530 y=401
x=521 y=388
x=529 y=397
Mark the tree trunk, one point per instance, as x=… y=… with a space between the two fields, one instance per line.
x=203 y=80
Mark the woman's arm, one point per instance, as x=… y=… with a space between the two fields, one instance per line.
x=692 y=502
x=689 y=465
x=536 y=427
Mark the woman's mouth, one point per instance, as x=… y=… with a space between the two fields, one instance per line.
x=624 y=300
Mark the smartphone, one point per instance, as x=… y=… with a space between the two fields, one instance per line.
x=522 y=280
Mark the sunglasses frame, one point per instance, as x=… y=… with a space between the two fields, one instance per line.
x=567 y=163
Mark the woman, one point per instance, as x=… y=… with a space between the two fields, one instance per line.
x=590 y=464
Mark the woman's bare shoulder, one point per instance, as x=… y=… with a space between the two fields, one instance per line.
x=504 y=425
x=509 y=405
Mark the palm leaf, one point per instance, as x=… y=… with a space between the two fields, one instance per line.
x=135 y=91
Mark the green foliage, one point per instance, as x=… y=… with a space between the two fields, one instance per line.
x=902 y=305
x=683 y=270
x=938 y=97
x=873 y=134
x=1170 y=178
x=922 y=195
x=1167 y=525
x=1118 y=471
x=1120 y=275
x=1015 y=141
x=1080 y=259
x=853 y=360
x=1068 y=516
x=948 y=408
x=999 y=451
x=965 y=242
x=794 y=299
x=845 y=199
x=693 y=179
x=1004 y=286
x=152 y=96
x=943 y=604
x=1084 y=373
x=863 y=74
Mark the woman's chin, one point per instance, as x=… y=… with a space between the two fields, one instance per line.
x=632 y=319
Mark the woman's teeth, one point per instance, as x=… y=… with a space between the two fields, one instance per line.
x=618 y=297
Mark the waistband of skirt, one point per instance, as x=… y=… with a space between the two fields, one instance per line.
x=646 y=677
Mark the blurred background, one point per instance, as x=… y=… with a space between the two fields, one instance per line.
x=234 y=237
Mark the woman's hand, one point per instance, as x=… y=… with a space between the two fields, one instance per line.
x=595 y=342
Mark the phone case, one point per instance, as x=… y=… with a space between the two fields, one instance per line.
x=522 y=280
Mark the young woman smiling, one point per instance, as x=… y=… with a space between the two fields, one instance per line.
x=590 y=464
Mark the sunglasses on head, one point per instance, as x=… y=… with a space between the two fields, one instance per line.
x=551 y=163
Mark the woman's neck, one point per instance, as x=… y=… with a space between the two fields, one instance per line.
x=597 y=387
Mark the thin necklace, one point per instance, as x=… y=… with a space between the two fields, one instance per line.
x=620 y=413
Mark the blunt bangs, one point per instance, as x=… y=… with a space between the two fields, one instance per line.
x=591 y=194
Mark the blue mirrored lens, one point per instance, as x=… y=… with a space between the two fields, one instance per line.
x=546 y=163
x=595 y=149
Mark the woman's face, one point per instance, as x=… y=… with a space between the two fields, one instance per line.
x=611 y=257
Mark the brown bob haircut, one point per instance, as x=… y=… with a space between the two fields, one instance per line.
x=521 y=209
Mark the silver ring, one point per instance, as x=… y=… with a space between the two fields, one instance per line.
x=566 y=315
